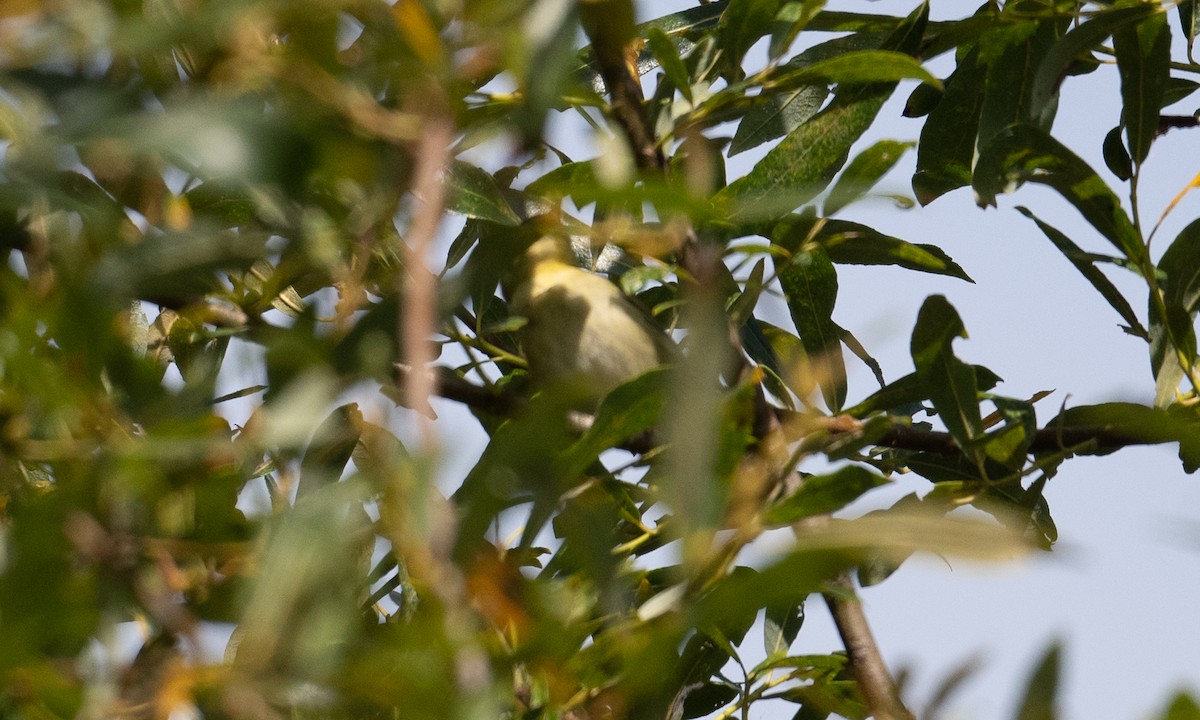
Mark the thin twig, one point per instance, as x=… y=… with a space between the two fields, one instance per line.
x=419 y=288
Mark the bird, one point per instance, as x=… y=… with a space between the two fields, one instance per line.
x=580 y=329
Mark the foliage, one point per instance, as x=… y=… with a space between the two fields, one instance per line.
x=218 y=219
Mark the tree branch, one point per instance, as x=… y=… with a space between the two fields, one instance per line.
x=866 y=663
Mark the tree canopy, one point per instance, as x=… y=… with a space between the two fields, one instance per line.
x=240 y=233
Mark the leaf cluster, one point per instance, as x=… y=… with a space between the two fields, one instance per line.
x=218 y=222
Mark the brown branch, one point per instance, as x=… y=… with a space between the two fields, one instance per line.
x=419 y=288
x=1081 y=439
x=866 y=663
x=609 y=25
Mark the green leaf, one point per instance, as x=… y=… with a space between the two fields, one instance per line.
x=809 y=283
x=707 y=699
x=1041 y=692
x=850 y=243
x=1011 y=51
x=905 y=392
x=823 y=494
x=701 y=658
x=1142 y=424
x=782 y=113
x=781 y=625
x=946 y=151
x=330 y=449
x=1170 y=337
x=863 y=172
x=801 y=166
x=1178 y=89
x=1182 y=706
x=1023 y=153
x=1009 y=445
x=1084 y=263
x=804 y=162
x=229 y=201
x=1180 y=267
x=630 y=408
x=1116 y=157
x=1143 y=59
x=742 y=24
x=778 y=113
x=1082 y=39
x=1189 y=18
x=667 y=54
x=1180 y=270
x=949 y=381
x=473 y=192
x=861 y=67
x=793 y=17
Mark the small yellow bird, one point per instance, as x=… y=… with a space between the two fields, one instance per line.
x=580 y=327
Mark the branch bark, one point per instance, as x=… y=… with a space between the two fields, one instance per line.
x=866 y=662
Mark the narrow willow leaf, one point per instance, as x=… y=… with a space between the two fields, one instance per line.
x=809 y=283
x=781 y=625
x=742 y=24
x=946 y=150
x=802 y=164
x=779 y=115
x=1009 y=445
x=1084 y=263
x=1143 y=58
x=784 y=111
x=331 y=447
x=1079 y=41
x=793 y=17
x=1116 y=157
x=473 y=192
x=1023 y=153
x=1178 y=89
x=1172 y=348
x=909 y=391
x=949 y=381
x=1189 y=18
x=1182 y=705
x=863 y=172
x=631 y=408
x=667 y=54
x=742 y=307
x=1180 y=270
x=861 y=67
x=1012 y=52
x=823 y=494
x=707 y=699
x=1180 y=265
x=1041 y=692
x=851 y=243
x=922 y=100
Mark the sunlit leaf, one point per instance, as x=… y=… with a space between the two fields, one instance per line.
x=863 y=172
x=823 y=494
